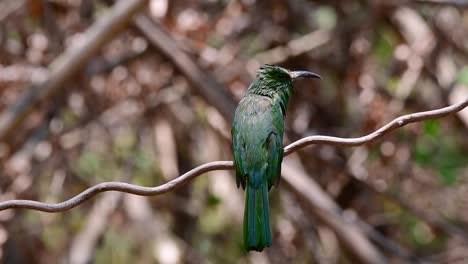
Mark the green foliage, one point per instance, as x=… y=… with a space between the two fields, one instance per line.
x=145 y=169
x=432 y=128
x=213 y=200
x=92 y=164
x=226 y=246
x=54 y=237
x=124 y=143
x=75 y=219
x=414 y=231
x=383 y=47
x=420 y=234
x=212 y=221
x=392 y=84
x=213 y=218
x=439 y=151
x=462 y=77
x=217 y=237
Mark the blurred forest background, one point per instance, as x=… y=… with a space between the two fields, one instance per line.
x=89 y=94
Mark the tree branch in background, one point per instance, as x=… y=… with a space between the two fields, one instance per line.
x=455 y=3
x=294 y=48
x=227 y=165
x=70 y=62
x=11 y=7
x=207 y=86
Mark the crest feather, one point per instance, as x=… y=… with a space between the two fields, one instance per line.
x=273 y=72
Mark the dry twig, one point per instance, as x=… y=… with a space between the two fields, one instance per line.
x=396 y=123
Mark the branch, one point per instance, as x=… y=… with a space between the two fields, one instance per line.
x=311 y=195
x=396 y=123
x=227 y=165
x=204 y=84
x=120 y=187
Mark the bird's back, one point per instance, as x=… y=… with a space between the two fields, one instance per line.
x=257 y=138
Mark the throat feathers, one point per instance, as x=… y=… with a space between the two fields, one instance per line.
x=257 y=137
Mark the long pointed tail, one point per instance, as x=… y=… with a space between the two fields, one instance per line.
x=257 y=233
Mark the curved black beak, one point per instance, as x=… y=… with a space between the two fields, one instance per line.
x=304 y=74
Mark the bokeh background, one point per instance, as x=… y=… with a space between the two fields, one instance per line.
x=156 y=100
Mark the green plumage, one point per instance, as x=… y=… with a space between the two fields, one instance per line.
x=257 y=136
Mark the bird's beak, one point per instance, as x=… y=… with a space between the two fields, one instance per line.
x=303 y=74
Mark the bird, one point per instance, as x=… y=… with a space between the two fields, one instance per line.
x=257 y=144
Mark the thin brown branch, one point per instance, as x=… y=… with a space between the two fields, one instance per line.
x=396 y=123
x=120 y=187
x=227 y=165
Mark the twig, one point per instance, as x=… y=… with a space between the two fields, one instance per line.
x=118 y=186
x=396 y=123
x=227 y=165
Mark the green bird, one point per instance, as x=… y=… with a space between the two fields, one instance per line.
x=257 y=137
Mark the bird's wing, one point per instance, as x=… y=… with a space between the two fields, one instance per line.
x=238 y=147
x=274 y=146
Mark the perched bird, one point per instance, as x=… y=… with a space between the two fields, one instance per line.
x=257 y=137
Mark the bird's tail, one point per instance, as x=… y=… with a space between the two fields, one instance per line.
x=257 y=233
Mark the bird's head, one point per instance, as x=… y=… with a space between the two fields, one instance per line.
x=280 y=74
x=272 y=79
